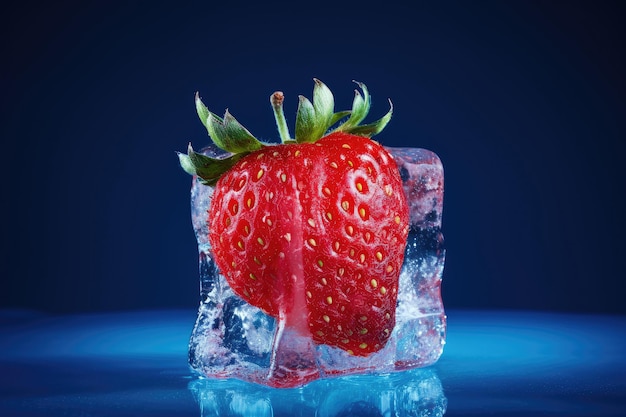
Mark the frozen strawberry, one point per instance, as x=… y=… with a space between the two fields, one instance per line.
x=312 y=230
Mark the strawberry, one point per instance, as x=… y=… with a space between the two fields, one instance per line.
x=313 y=230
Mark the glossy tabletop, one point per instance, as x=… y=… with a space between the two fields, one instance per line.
x=130 y=364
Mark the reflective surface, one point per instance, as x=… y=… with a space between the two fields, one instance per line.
x=495 y=363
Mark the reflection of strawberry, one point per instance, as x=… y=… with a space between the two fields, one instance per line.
x=312 y=231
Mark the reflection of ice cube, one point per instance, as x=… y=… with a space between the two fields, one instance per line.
x=415 y=393
x=234 y=339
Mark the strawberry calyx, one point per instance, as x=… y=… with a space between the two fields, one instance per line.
x=314 y=120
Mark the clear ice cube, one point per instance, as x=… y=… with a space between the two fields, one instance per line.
x=233 y=339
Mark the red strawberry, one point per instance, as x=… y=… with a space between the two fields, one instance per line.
x=313 y=230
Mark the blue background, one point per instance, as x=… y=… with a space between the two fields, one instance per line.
x=523 y=101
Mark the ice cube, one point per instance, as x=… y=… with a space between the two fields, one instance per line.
x=233 y=339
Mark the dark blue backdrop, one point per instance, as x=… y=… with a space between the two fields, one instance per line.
x=523 y=101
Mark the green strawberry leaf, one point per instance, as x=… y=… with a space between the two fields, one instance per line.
x=237 y=138
x=305 y=121
x=339 y=115
x=207 y=168
x=324 y=105
x=186 y=164
x=360 y=109
x=227 y=133
x=203 y=111
x=372 y=129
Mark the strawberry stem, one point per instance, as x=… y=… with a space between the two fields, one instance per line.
x=277 y=105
